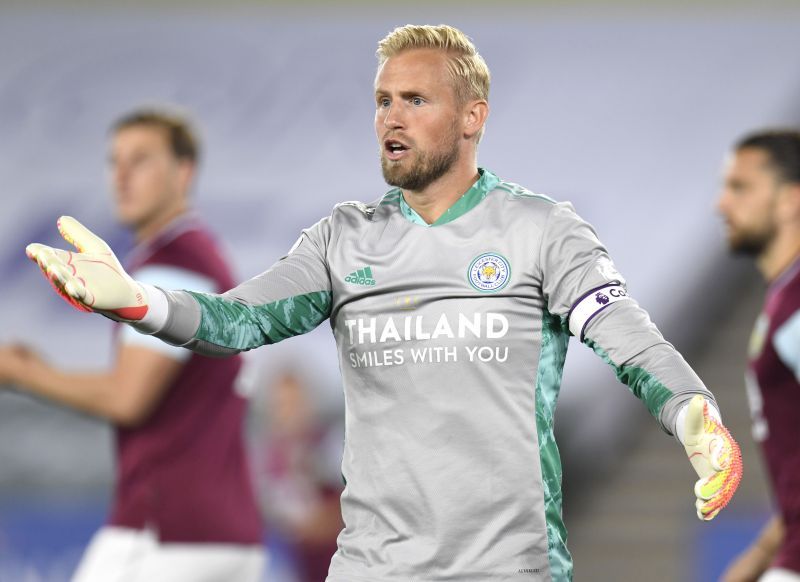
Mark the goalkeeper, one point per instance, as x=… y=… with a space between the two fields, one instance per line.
x=451 y=299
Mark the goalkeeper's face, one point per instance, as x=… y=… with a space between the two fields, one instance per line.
x=417 y=119
x=750 y=202
x=150 y=184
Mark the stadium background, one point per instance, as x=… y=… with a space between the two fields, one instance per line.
x=624 y=108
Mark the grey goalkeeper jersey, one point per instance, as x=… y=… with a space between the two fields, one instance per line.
x=451 y=339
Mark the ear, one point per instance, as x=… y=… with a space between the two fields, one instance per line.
x=790 y=200
x=475 y=114
x=788 y=203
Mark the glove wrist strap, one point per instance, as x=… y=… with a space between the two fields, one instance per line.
x=157 y=311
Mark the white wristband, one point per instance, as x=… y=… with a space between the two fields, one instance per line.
x=157 y=311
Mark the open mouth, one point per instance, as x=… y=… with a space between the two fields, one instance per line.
x=394 y=149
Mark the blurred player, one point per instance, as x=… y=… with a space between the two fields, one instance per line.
x=761 y=207
x=299 y=485
x=183 y=507
x=451 y=299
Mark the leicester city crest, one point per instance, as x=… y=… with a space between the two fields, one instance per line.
x=489 y=272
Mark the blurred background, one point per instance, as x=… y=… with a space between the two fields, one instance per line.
x=626 y=109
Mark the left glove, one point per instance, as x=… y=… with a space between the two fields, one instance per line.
x=91 y=279
x=715 y=457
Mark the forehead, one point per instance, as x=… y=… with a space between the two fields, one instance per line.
x=750 y=159
x=140 y=137
x=750 y=166
x=411 y=68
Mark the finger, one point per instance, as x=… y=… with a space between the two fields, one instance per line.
x=58 y=273
x=44 y=255
x=707 y=488
x=33 y=250
x=80 y=306
x=712 y=507
x=47 y=257
x=75 y=288
x=47 y=260
x=698 y=505
x=711 y=515
x=57 y=266
x=707 y=511
x=80 y=237
x=36 y=250
x=695 y=420
x=66 y=296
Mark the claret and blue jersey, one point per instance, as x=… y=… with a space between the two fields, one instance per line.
x=773 y=389
x=452 y=338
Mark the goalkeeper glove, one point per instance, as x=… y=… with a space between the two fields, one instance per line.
x=715 y=457
x=91 y=279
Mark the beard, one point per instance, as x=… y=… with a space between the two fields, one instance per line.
x=751 y=243
x=428 y=167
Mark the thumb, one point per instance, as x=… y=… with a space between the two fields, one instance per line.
x=695 y=420
x=81 y=237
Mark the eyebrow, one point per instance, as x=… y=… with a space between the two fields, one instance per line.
x=403 y=94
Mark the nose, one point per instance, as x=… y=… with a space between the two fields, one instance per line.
x=724 y=203
x=119 y=176
x=392 y=118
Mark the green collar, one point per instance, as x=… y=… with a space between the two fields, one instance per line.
x=485 y=184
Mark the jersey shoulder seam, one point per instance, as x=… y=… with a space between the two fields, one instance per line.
x=368 y=210
x=518 y=192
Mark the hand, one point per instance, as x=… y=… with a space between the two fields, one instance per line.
x=91 y=279
x=16 y=363
x=715 y=457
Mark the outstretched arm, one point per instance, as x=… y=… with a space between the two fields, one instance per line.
x=584 y=288
x=656 y=373
x=125 y=395
x=289 y=299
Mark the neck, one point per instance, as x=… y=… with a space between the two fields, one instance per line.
x=151 y=227
x=440 y=195
x=779 y=256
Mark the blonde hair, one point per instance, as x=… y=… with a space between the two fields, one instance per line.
x=467 y=68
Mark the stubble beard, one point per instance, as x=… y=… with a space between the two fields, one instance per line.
x=428 y=167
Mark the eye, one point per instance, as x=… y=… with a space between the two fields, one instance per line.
x=384 y=102
x=417 y=101
x=139 y=159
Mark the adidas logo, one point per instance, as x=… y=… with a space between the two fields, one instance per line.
x=361 y=277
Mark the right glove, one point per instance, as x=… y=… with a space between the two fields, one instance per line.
x=91 y=279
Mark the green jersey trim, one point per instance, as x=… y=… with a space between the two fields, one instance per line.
x=471 y=198
x=642 y=383
x=555 y=339
x=240 y=326
x=391 y=197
